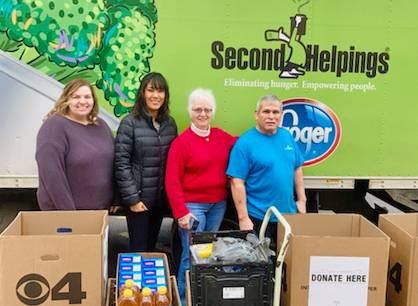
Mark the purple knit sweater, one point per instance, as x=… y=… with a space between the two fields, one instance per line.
x=75 y=163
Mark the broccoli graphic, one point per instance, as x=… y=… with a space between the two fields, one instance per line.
x=107 y=42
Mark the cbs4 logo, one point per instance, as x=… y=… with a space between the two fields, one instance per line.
x=34 y=289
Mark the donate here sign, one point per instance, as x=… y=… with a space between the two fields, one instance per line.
x=338 y=280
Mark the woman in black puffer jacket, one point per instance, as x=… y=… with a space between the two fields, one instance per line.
x=141 y=149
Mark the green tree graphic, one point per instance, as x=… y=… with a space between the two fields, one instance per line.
x=108 y=43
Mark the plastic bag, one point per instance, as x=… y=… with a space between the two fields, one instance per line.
x=228 y=250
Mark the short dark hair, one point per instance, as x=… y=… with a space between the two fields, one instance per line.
x=157 y=81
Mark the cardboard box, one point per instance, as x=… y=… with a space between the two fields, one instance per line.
x=188 y=289
x=54 y=258
x=112 y=288
x=175 y=291
x=334 y=260
x=167 y=272
x=403 y=258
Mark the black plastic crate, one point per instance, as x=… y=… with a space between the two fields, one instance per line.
x=249 y=284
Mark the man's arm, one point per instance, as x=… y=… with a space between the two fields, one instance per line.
x=300 y=191
x=240 y=200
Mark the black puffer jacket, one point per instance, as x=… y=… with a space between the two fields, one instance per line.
x=140 y=159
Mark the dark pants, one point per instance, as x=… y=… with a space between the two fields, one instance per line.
x=143 y=228
x=271 y=230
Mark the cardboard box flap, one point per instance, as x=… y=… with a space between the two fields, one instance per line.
x=412 y=279
x=404 y=222
x=403 y=269
x=58 y=222
x=368 y=229
x=15 y=227
x=341 y=225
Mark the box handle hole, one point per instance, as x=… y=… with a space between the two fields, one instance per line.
x=393 y=244
x=64 y=230
x=50 y=257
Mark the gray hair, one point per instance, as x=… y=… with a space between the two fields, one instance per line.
x=269 y=98
x=201 y=94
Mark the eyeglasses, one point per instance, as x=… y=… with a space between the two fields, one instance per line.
x=200 y=110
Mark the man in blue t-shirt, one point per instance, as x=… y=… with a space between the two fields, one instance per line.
x=265 y=167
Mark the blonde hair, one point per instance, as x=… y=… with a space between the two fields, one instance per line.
x=61 y=106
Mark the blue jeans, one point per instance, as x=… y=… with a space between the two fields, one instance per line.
x=210 y=216
x=271 y=230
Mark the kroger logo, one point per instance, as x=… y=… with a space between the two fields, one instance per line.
x=314 y=126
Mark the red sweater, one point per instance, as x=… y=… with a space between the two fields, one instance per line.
x=196 y=169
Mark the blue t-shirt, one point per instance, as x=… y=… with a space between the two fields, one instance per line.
x=267 y=164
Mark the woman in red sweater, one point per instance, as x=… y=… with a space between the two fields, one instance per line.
x=195 y=177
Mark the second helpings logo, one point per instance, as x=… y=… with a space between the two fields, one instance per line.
x=314 y=126
x=292 y=58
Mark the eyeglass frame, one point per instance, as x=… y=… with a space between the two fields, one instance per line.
x=200 y=110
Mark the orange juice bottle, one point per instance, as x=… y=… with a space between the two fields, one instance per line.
x=127 y=298
x=161 y=298
x=146 y=297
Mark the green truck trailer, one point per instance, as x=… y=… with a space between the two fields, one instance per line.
x=344 y=70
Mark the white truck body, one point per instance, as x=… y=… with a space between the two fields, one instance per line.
x=26 y=96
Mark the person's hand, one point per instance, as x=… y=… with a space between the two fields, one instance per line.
x=114 y=209
x=246 y=224
x=185 y=221
x=139 y=207
x=301 y=205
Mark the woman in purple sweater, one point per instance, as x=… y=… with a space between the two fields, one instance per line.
x=74 y=152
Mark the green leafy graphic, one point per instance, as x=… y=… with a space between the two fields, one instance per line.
x=106 y=42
